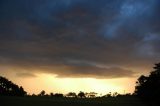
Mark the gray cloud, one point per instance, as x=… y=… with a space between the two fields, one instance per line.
x=79 y=38
x=25 y=75
x=94 y=72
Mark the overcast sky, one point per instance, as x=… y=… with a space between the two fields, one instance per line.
x=101 y=39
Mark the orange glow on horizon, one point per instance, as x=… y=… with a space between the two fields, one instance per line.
x=50 y=83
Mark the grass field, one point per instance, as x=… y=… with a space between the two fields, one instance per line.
x=49 y=101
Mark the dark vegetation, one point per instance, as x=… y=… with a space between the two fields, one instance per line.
x=148 y=87
x=147 y=92
x=8 y=88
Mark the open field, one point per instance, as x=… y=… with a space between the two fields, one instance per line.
x=49 y=101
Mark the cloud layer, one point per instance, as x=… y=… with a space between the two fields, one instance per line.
x=80 y=38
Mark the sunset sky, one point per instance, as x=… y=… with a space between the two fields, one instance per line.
x=78 y=45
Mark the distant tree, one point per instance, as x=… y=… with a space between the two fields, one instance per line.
x=8 y=88
x=148 y=87
x=71 y=94
x=33 y=95
x=58 y=95
x=81 y=94
x=128 y=94
x=115 y=94
x=91 y=94
x=109 y=94
x=46 y=95
x=51 y=94
x=42 y=93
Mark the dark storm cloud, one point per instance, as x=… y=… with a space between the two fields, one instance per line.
x=80 y=38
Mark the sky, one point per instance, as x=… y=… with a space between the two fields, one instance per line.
x=78 y=45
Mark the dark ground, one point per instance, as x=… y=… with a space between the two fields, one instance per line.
x=49 y=101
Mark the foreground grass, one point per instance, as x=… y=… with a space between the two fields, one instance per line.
x=49 y=101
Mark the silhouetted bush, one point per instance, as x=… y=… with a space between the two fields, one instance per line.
x=8 y=88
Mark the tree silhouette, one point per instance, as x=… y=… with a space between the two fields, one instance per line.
x=71 y=94
x=42 y=93
x=91 y=94
x=8 y=88
x=51 y=94
x=148 y=87
x=58 y=95
x=81 y=94
x=108 y=95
